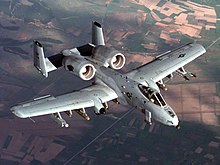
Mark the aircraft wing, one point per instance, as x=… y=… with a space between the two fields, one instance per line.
x=167 y=63
x=95 y=95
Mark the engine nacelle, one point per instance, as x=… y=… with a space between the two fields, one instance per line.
x=79 y=66
x=109 y=57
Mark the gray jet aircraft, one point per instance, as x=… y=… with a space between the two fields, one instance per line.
x=139 y=88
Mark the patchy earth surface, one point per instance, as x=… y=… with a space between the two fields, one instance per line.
x=141 y=33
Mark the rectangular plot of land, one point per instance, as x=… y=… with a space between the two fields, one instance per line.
x=217 y=113
x=191 y=105
x=207 y=100
x=207 y=108
x=176 y=104
x=7 y=142
x=218 y=88
x=186 y=92
x=210 y=118
x=217 y=109
x=216 y=99
x=207 y=89
x=189 y=90
x=192 y=102
x=173 y=91
x=192 y=117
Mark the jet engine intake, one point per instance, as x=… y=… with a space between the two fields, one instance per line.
x=109 y=57
x=80 y=67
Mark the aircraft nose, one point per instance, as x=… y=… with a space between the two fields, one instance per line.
x=178 y=126
x=176 y=122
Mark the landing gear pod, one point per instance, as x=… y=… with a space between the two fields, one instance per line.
x=99 y=108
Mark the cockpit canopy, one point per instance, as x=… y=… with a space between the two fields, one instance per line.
x=152 y=95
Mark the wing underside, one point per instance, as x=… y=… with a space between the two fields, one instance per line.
x=167 y=63
x=93 y=96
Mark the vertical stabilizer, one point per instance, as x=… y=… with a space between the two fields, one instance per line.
x=39 y=59
x=97 y=34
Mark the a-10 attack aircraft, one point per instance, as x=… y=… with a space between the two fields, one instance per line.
x=139 y=87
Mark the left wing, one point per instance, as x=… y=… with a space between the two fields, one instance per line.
x=167 y=63
x=96 y=95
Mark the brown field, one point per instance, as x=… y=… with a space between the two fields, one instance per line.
x=204 y=13
x=195 y=102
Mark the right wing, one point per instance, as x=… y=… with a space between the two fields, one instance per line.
x=96 y=95
x=167 y=63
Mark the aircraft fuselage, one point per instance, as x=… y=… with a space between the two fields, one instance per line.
x=129 y=92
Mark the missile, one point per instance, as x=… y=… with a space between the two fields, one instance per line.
x=69 y=113
x=83 y=114
x=116 y=101
x=170 y=76
x=162 y=86
x=192 y=74
x=178 y=126
x=59 y=120
x=186 y=78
